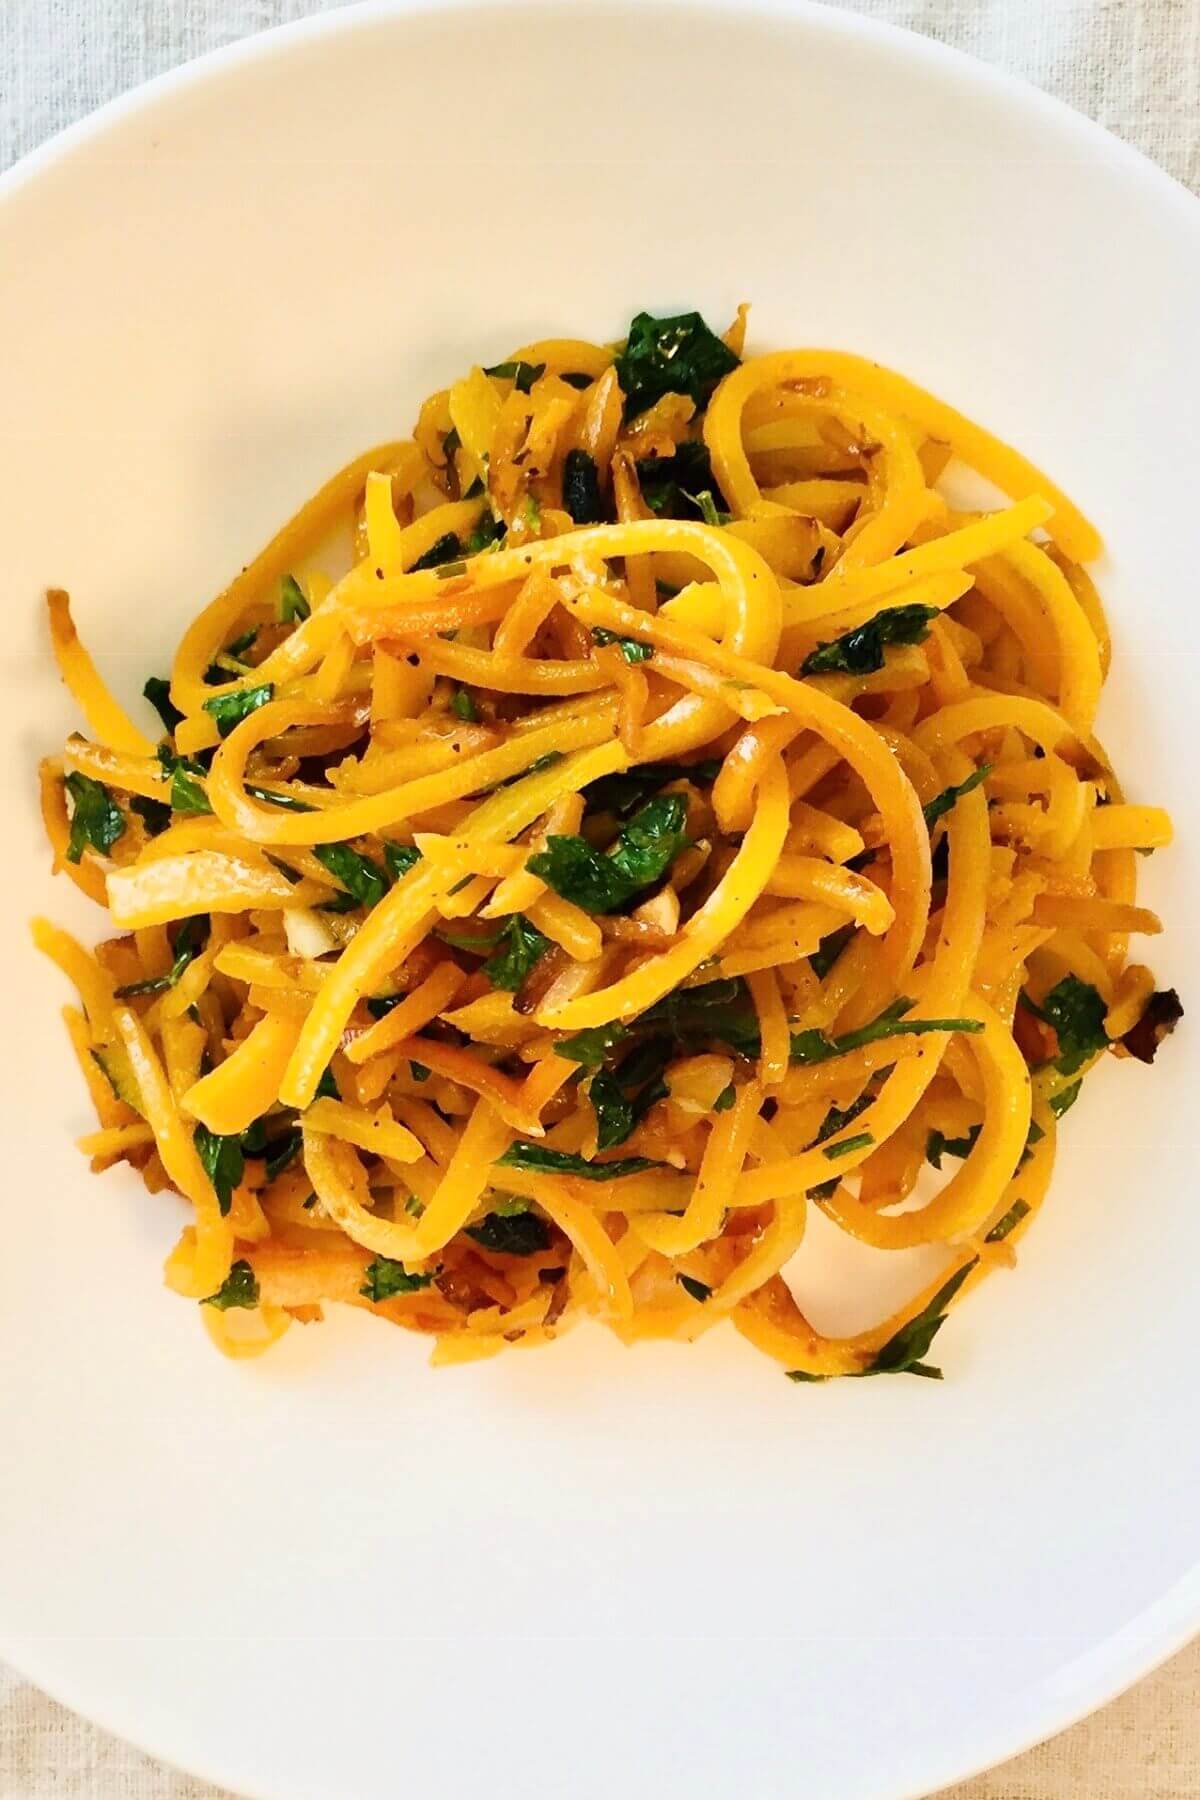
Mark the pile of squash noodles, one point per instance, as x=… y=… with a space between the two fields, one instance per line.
x=676 y=816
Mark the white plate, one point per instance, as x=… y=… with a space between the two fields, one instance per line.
x=335 y=1573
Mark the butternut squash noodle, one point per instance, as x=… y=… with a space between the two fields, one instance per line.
x=633 y=810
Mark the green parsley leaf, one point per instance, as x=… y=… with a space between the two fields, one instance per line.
x=1063 y=1101
x=489 y=531
x=185 y=775
x=725 y=1099
x=158 y=692
x=239 y=1288
x=614 y=1110
x=96 y=820
x=630 y=649
x=384 y=1278
x=937 y=1145
x=715 y=1010
x=153 y=813
x=1076 y=1011
x=644 y=852
x=941 y=803
x=520 y=947
x=242 y=643
x=591 y=1045
x=360 y=877
x=292 y=604
x=677 y=355
x=400 y=858
x=230 y=709
x=223 y=1162
x=285 y=1152
x=462 y=705
x=622 y=794
x=699 y=1290
x=814 y=1047
x=828 y=951
x=673 y=486
x=538 y=1159
x=581 y=488
x=860 y=652
x=512 y=1234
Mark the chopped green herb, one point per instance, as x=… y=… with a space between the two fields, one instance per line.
x=699 y=1290
x=578 y=380
x=838 y=1117
x=937 y=1145
x=230 y=709
x=153 y=813
x=327 y=1087
x=941 y=803
x=451 y=443
x=677 y=355
x=242 y=643
x=400 y=858
x=1012 y=1218
x=848 y=1146
x=284 y=1153
x=715 y=1010
x=462 y=705
x=185 y=775
x=591 y=1045
x=1063 y=1101
x=512 y=1234
x=709 y=510
x=96 y=821
x=522 y=374
x=630 y=649
x=489 y=531
x=622 y=794
x=223 y=1162
x=360 y=877
x=383 y=1279
x=815 y=1047
x=1076 y=1011
x=804 y=1375
x=189 y=941
x=614 y=1110
x=828 y=951
x=903 y=1353
x=645 y=850
x=158 y=692
x=725 y=1099
x=254 y=1139
x=418 y=1071
x=239 y=1288
x=672 y=486
x=520 y=947
x=445 y=550
x=478 y=943
x=581 y=488
x=538 y=1159
x=273 y=797
x=292 y=604
x=113 y=1062
x=860 y=652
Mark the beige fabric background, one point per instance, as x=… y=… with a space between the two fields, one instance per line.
x=1134 y=65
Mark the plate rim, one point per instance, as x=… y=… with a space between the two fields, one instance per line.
x=1168 y=1624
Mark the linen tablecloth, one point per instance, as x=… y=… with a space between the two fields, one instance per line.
x=1133 y=65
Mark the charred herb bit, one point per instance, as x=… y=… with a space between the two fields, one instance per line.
x=384 y=1278
x=581 y=488
x=577 y=379
x=622 y=794
x=678 y=355
x=1076 y=1011
x=512 y=1234
x=522 y=374
x=860 y=652
x=96 y=821
x=645 y=850
x=521 y=945
x=1012 y=1218
x=903 y=1353
x=363 y=879
x=937 y=1145
x=418 y=1071
x=189 y=941
x=538 y=1159
x=224 y=1164
x=942 y=803
x=630 y=648
x=445 y=550
x=673 y=486
x=185 y=775
x=292 y=604
x=400 y=858
x=462 y=705
x=239 y=1288
x=1164 y=1010
x=592 y=1045
x=230 y=709
x=158 y=692
x=699 y=1290
x=848 y=1146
